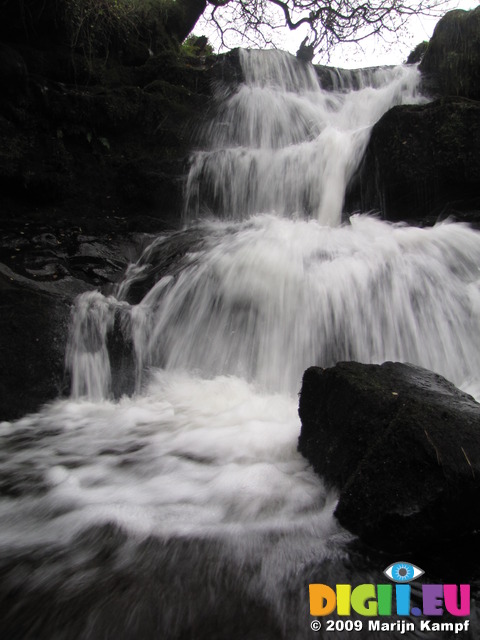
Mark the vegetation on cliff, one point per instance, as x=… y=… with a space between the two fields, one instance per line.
x=106 y=26
x=452 y=58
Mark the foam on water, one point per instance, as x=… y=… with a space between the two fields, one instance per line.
x=189 y=456
x=264 y=298
x=280 y=143
x=191 y=489
x=171 y=510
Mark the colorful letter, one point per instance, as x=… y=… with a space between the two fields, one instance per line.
x=322 y=599
x=343 y=599
x=451 y=599
x=402 y=595
x=432 y=599
x=384 y=595
x=363 y=600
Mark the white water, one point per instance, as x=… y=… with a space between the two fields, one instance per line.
x=205 y=450
x=262 y=299
x=282 y=144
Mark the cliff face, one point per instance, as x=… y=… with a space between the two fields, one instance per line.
x=94 y=150
x=115 y=146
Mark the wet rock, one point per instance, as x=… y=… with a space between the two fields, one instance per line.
x=451 y=62
x=402 y=446
x=45 y=273
x=33 y=330
x=42 y=269
x=422 y=163
x=45 y=240
x=418 y=52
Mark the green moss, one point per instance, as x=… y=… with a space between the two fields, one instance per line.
x=195 y=46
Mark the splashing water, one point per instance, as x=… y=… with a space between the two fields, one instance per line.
x=282 y=144
x=261 y=298
x=185 y=509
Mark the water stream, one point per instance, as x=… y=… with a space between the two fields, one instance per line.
x=281 y=144
x=183 y=509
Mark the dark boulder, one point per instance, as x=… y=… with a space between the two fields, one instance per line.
x=451 y=64
x=401 y=444
x=422 y=163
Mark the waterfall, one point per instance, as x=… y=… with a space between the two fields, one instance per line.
x=240 y=304
x=277 y=283
x=280 y=144
x=182 y=509
x=260 y=299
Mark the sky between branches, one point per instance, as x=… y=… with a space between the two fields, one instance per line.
x=373 y=52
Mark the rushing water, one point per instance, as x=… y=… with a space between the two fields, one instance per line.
x=182 y=509
x=259 y=299
x=281 y=144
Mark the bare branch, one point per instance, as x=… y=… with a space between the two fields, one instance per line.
x=329 y=22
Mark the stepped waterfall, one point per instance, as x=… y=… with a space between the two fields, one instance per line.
x=166 y=498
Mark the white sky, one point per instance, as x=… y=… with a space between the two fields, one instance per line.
x=374 y=53
x=420 y=28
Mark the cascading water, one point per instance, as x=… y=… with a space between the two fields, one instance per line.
x=281 y=144
x=184 y=510
x=259 y=299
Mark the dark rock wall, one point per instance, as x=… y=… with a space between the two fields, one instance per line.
x=451 y=63
x=117 y=146
x=94 y=153
x=423 y=163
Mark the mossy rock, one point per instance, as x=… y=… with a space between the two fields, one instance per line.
x=451 y=64
x=417 y=54
x=180 y=71
x=422 y=161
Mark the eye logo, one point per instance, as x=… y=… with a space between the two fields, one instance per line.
x=403 y=572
